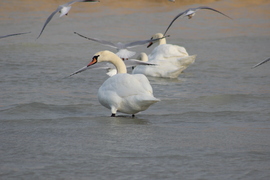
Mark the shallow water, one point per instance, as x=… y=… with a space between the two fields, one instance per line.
x=212 y=122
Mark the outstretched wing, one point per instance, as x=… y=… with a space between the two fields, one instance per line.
x=13 y=34
x=99 y=41
x=142 y=42
x=180 y=14
x=72 y=2
x=135 y=62
x=96 y=66
x=260 y=63
x=194 y=9
x=49 y=19
x=205 y=7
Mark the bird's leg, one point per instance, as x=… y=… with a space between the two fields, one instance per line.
x=113 y=111
x=113 y=115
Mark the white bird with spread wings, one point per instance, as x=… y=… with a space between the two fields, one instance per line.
x=121 y=48
x=191 y=12
x=63 y=10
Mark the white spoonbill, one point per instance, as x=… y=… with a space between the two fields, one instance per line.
x=169 y=68
x=126 y=93
x=63 y=10
x=191 y=12
x=164 y=50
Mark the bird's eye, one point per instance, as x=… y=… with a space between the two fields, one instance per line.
x=96 y=56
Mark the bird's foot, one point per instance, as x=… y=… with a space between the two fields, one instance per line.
x=113 y=115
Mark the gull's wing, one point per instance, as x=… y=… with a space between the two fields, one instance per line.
x=48 y=19
x=135 y=62
x=120 y=45
x=80 y=70
x=107 y=66
x=205 y=7
x=99 y=41
x=13 y=34
x=260 y=63
x=180 y=14
x=103 y=65
x=142 y=42
x=72 y=2
x=111 y=71
x=137 y=43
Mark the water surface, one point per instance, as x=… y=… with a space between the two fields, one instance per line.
x=212 y=121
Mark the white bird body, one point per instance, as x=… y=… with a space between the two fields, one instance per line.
x=126 y=93
x=165 y=51
x=165 y=68
x=125 y=54
x=190 y=13
x=64 y=10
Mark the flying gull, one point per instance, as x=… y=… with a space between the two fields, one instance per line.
x=121 y=47
x=63 y=10
x=191 y=12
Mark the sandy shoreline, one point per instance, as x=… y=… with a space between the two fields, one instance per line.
x=43 y=5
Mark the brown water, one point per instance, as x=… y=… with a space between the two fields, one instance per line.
x=212 y=122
